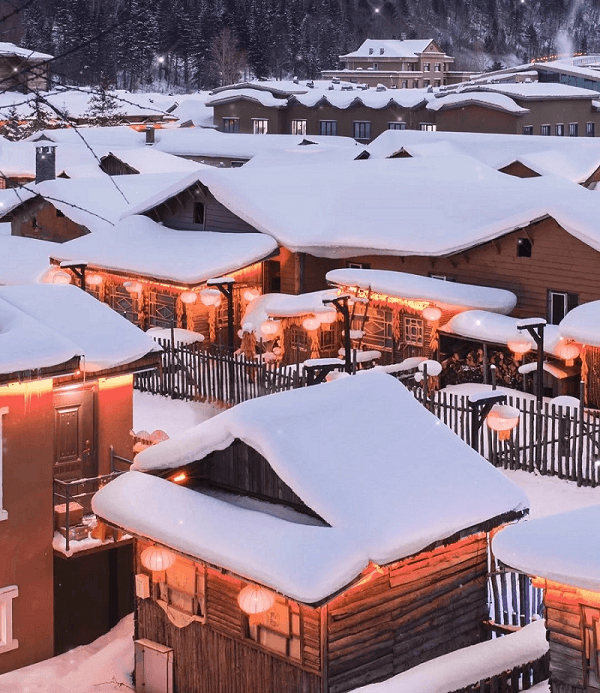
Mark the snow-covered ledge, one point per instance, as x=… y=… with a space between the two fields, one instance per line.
x=470 y=665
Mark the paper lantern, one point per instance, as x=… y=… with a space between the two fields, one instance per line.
x=133 y=287
x=93 y=279
x=311 y=324
x=568 y=351
x=519 y=346
x=251 y=295
x=502 y=419
x=210 y=297
x=255 y=600
x=432 y=313
x=157 y=559
x=61 y=277
x=189 y=297
x=270 y=327
x=329 y=317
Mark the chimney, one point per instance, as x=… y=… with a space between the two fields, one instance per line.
x=149 y=134
x=45 y=163
x=403 y=37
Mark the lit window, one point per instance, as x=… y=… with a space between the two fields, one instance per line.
x=545 y=130
x=428 y=127
x=231 y=124
x=260 y=126
x=362 y=130
x=412 y=331
x=397 y=125
x=3 y=513
x=560 y=129
x=528 y=129
x=298 y=127
x=559 y=304
x=573 y=129
x=278 y=629
x=328 y=127
x=590 y=130
x=7 y=642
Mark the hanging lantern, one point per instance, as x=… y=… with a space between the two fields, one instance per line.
x=189 y=297
x=328 y=317
x=61 y=277
x=432 y=313
x=157 y=559
x=270 y=327
x=519 y=346
x=210 y=297
x=311 y=324
x=251 y=295
x=133 y=287
x=502 y=419
x=568 y=351
x=93 y=279
x=255 y=600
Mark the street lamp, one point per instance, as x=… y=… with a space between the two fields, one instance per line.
x=225 y=286
x=480 y=406
x=341 y=305
x=78 y=269
x=535 y=328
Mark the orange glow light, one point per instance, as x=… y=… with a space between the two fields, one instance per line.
x=377 y=297
x=179 y=478
x=117 y=381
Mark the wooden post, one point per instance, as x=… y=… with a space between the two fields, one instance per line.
x=485 y=365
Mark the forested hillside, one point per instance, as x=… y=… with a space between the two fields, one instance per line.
x=173 y=41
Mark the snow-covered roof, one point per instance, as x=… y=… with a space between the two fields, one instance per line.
x=354 y=482
x=260 y=96
x=24 y=260
x=498 y=329
x=13 y=51
x=564 y=547
x=11 y=198
x=121 y=136
x=284 y=306
x=298 y=156
x=497 y=102
x=582 y=324
x=371 y=48
x=314 y=208
x=44 y=325
x=443 y=293
x=535 y=91
x=138 y=245
x=371 y=98
x=150 y=160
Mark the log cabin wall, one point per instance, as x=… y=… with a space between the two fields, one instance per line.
x=591 y=366
x=39 y=219
x=418 y=609
x=214 y=653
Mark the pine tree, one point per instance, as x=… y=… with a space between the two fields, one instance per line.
x=103 y=108
x=13 y=130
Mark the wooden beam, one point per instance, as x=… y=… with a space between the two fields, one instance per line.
x=497 y=246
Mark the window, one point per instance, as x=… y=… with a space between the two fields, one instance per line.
x=375 y=66
x=161 y=312
x=398 y=125
x=426 y=67
x=545 y=130
x=7 y=642
x=590 y=129
x=181 y=593
x=528 y=129
x=231 y=124
x=124 y=303
x=523 y=247
x=358 y=265
x=559 y=304
x=361 y=130
x=199 y=213
x=560 y=129
x=590 y=618
x=237 y=164
x=260 y=126
x=404 y=84
x=381 y=51
x=3 y=513
x=328 y=127
x=412 y=331
x=277 y=629
x=298 y=127
x=573 y=129
x=443 y=277
x=436 y=67
x=428 y=127
x=326 y=341
x=437 y=82
x=298 y=341
x=426 y=82
x=370 y=51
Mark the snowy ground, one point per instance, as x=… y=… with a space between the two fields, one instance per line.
x=173 y=416
x=102 y=667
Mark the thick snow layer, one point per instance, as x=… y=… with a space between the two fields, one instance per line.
x=149 y=160
x=469 y=665
x=582 y=324
x=354 y=482
x=371 y=98
x=178 y=333
x=104 y=666
x=498 y=329
x=443 y=293
x=497 y=102
x=260 y=96
x=173 y=416
x=298 y=156
x=564 y=548
x=47 y=324
x=284 y=306
x=24 y=260
x=538 y=90
x=139 y=245
x=313 y=208
x=13 y=197
x=371 y=48
x=11 y=50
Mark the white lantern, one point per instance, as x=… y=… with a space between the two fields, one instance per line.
x=502 y=419
x=133 y=287
x=93 y=279
x=255 y=600
x=519 y=346
x=311 y=324
x=210 y=297
x=432 y=313
x=270 y=327
x=251 y=295
x=568 y=351
x=328 y=317
x=61 y=277
x=157 y=559
x=188 y=297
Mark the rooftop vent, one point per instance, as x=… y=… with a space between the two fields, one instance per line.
x=347 y=87
x=149 y=134
x=311 y=84
x=335 y=80
x=370 y=51
x=381 y=87
x=381 y=50
x=403 y=37
x=45 y=163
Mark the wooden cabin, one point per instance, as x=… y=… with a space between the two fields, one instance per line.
x=561 y=553
x=66 y=389
x=335 y=509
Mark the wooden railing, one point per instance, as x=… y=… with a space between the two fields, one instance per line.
x=513 y=601
x=520 y=678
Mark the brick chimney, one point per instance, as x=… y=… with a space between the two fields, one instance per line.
x=149 y=134
x=45 y=163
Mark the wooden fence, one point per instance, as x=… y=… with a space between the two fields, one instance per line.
x=520 y=678
x=552 y=441
x=513 y=601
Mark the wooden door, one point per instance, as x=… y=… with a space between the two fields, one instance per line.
x=74 y=434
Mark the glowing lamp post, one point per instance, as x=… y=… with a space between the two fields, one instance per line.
x=157 y=559
x=255 y=600
x=481 y=406
x=536 y=331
